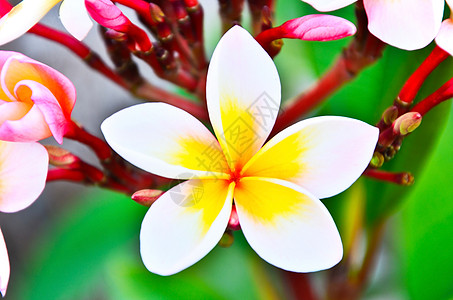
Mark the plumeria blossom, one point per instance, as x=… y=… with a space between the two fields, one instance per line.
x=27 y=13
x=36 y=101
x=406 y=24
x=23 y=172
x=275 y=188
x=445 y=37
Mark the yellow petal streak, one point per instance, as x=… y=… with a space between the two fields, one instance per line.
x=206 y=197
x=197 y=154
x=267 y=202
x=283 y=160
x=239 y=137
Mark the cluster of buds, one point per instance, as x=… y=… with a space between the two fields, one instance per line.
x=403 y=117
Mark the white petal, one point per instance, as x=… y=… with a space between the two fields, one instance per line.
x=75 y=18
x=324 y=155
x=445 y=37
x=329 y=5
x=164 y=140
x=406 y=24
x=23 y=17
x=23 y=172
x=243 y=95
x=287 y=226
x=184 y=224
x=4 y=266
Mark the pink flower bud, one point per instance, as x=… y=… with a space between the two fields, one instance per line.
x=109 y=15
x=309 y=28
x=36 y=100
x=146 y=197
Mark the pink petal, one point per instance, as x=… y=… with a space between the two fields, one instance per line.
x=4 y=266
x=317 y=28
x=18 y=67
x=23 y=172
x=47 y=104
x=32 y=127
x=445 y=37
x=406 y=24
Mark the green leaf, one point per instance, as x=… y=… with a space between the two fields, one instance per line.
x=77 y=244
x=92 y=250
x=427 y=223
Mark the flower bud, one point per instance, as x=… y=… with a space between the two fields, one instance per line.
x=377 y=160
x=390 y=114
x=60 y=157
x=146 y=197
x=233 y=223
x=407 y=123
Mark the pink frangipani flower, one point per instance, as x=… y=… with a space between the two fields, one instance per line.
x=23 y=172
x=36 y=101
x=27 y=13
x=406 y=24
x=275 y=188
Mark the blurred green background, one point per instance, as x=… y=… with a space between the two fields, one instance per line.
x=82 y=243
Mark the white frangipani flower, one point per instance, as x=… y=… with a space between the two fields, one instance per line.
x=275 y=188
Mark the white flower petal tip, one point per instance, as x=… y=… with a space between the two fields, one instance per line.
x=295 y=233
x=328 y=5
x=445 y=37
x=164 y=140
x=243 y=95
x=23 y=174
x=4 y=266
x=184 y=224
x=23 y=17
x=411 y=30
x=325 y=155
x=75 y=18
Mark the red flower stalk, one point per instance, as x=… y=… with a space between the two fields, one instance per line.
x=413 y=84
x=445 y=92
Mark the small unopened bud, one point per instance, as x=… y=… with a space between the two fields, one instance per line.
x=407 y=123
x=115 y=35
x=390 y=114
x=406 y=178
x=389 y=153
x=266 y=18
x=60 y=157
x=146 y=197
x=157 y=14
x=233 y=223
x=227 y=239
x=377 y=160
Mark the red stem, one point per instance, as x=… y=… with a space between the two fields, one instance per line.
x=445 y=92
x=141 y=7
x=413 y=84
x=403 y=178
x=102 y=150
x=300 y=285
x=79 y=49
x=65 y=174
x=149 y=91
